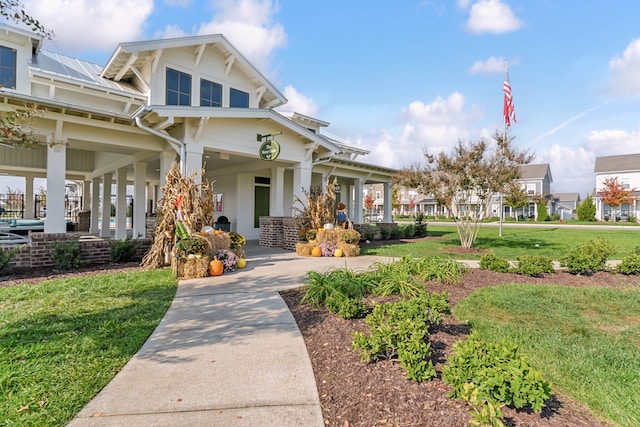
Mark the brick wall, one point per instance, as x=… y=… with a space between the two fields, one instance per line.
x=271 y=231
x=37 y=253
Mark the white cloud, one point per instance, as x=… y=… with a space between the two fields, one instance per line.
x=492 y=16
x=178 y=3
x=490 y=66
x=249 y=26
x=298 y=103
x=613 y=142
x=626 y=70
x=89 y=25
x=571 y=169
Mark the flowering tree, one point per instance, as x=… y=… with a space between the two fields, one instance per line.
x=465 y=180
x=614 y=194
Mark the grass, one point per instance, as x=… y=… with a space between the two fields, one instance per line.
x=62 y=341
x=549 y=242
x=585 y=340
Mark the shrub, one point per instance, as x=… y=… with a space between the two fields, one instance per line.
x=345 y=307
x=420 y=226
x=533 y=265
x=400 y=330
x=409 y=231
x=6 y=257
x=385 y=233
x=629 y=265
x=66 y=255
x=343 y=281
x=542 y=211
x=122 y=250
x=369 y=233
x=499 y=372
x=588 y=257
x=555 y=216
x=586 y=209
x=395 y=233
x=494 y=263
x=442 y=269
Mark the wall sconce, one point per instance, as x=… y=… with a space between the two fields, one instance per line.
x=337 y=187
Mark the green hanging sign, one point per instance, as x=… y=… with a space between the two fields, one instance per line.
x=269 y=150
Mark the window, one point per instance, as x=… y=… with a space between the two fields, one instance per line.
x=178 y=88
x=531 y=189
x=239 y=99
x=7 y=67
x=210 y=94
x=625 y=183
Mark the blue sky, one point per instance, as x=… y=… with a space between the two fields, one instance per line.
x=398 y=77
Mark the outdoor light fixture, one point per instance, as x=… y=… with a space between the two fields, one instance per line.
x=337 y=187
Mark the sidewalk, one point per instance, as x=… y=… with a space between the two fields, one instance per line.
x=228 y=352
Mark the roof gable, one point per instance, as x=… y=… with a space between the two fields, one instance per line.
x=621 y=163
x=539 y=171
x=131 y=60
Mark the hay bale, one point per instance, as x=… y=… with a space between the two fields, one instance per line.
x=304 y=248
x=239 y=252
x=329 y=236
x=190 y=268
x=348 y=249
x=217 y=241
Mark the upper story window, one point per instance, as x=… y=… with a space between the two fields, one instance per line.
x=531 y=189
x=238 y=99
x=178 y=88
x=210 y=94
x=7 y=67
x=625 y=183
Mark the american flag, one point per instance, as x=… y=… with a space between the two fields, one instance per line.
x=509 y=110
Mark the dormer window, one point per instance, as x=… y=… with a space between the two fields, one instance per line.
x=210 y=94
x=238 y=99
x=178 y=88
x=7 y=67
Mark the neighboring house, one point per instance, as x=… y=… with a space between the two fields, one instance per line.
x=565 y=204
x=195 y=99
x=536 y=181
x=626 y=168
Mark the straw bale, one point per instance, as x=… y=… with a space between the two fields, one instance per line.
x=348 y=250
x=304 y=248
x=217 y=241
x=190 y=268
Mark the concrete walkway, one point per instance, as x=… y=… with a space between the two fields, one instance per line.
x=228 y=352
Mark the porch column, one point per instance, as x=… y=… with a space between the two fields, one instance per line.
x=356 y=215
x=29 y=206
x=56 y=168
x=121 y=203
x=301 y=182
x=105 y=230
x=194 y=162
x=95 y=206
x=276 y=202
x=166 y=159
x=388 y=202
x=86 y=195
x=139 y=199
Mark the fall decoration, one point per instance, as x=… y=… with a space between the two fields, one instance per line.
x=216 y=267
x=316 y=251
x=242 y=262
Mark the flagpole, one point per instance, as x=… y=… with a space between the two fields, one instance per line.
x=504 y=141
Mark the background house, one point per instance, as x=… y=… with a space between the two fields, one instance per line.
x=626 y=168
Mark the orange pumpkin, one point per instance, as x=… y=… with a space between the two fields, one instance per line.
x=316 y=251
x=216 y=267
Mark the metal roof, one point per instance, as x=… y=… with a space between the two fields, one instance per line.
x=621 y=163
x=77 y=71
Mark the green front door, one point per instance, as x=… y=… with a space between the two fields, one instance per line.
x=261 y=204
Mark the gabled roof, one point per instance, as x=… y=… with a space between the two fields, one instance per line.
x=567 y=197
x=129 y=58
x=538 y=171
x=35 y=38
x=621 y=163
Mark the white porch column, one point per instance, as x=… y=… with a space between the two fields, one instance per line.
x=301 y=181
x=356 y=215
x=139 y=199
x=388 y=202
x=86 y=196
x=29 y=206
x=95 y=206
x=56 y=168
x=166 y=159
x=105 y=230
x=276 y=202
x=121 y=203
x=194 y=162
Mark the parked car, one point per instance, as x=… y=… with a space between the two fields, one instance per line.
x=373 y=218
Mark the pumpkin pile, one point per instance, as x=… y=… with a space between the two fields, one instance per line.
x=336 y=242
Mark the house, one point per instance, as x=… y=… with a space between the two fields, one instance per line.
x=196 y=100
x=626 y=168
x=566 y=205
x=536 y=181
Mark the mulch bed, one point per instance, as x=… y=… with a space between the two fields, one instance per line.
x=353 y=393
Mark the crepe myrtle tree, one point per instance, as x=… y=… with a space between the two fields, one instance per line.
x=614 y=194
x=516 y=197
x=465 y=180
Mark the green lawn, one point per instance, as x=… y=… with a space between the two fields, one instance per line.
x=62 y=341
x=586 y=341
x=551 y=242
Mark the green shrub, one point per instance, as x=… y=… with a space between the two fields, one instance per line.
x=409 y=231
x=494 y=263
x=341 y=280
x=420 y=226
x=586 y=209
x=400 y=330
x=499 y=372
x=369 y=233
x=345 y=307
x=395 y=233
x=385 y=233
x=533 y=265
x=123 y=250
x=442 y=269
x=555 y=216
x=485 y=412
x=588 y=257
x=629 y=265
x=6 y=256
x=66 y=255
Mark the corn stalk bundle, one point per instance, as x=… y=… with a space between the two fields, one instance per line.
x=319 y=208
x=197 y=203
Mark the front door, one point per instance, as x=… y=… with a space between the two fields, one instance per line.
x=261 y=204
